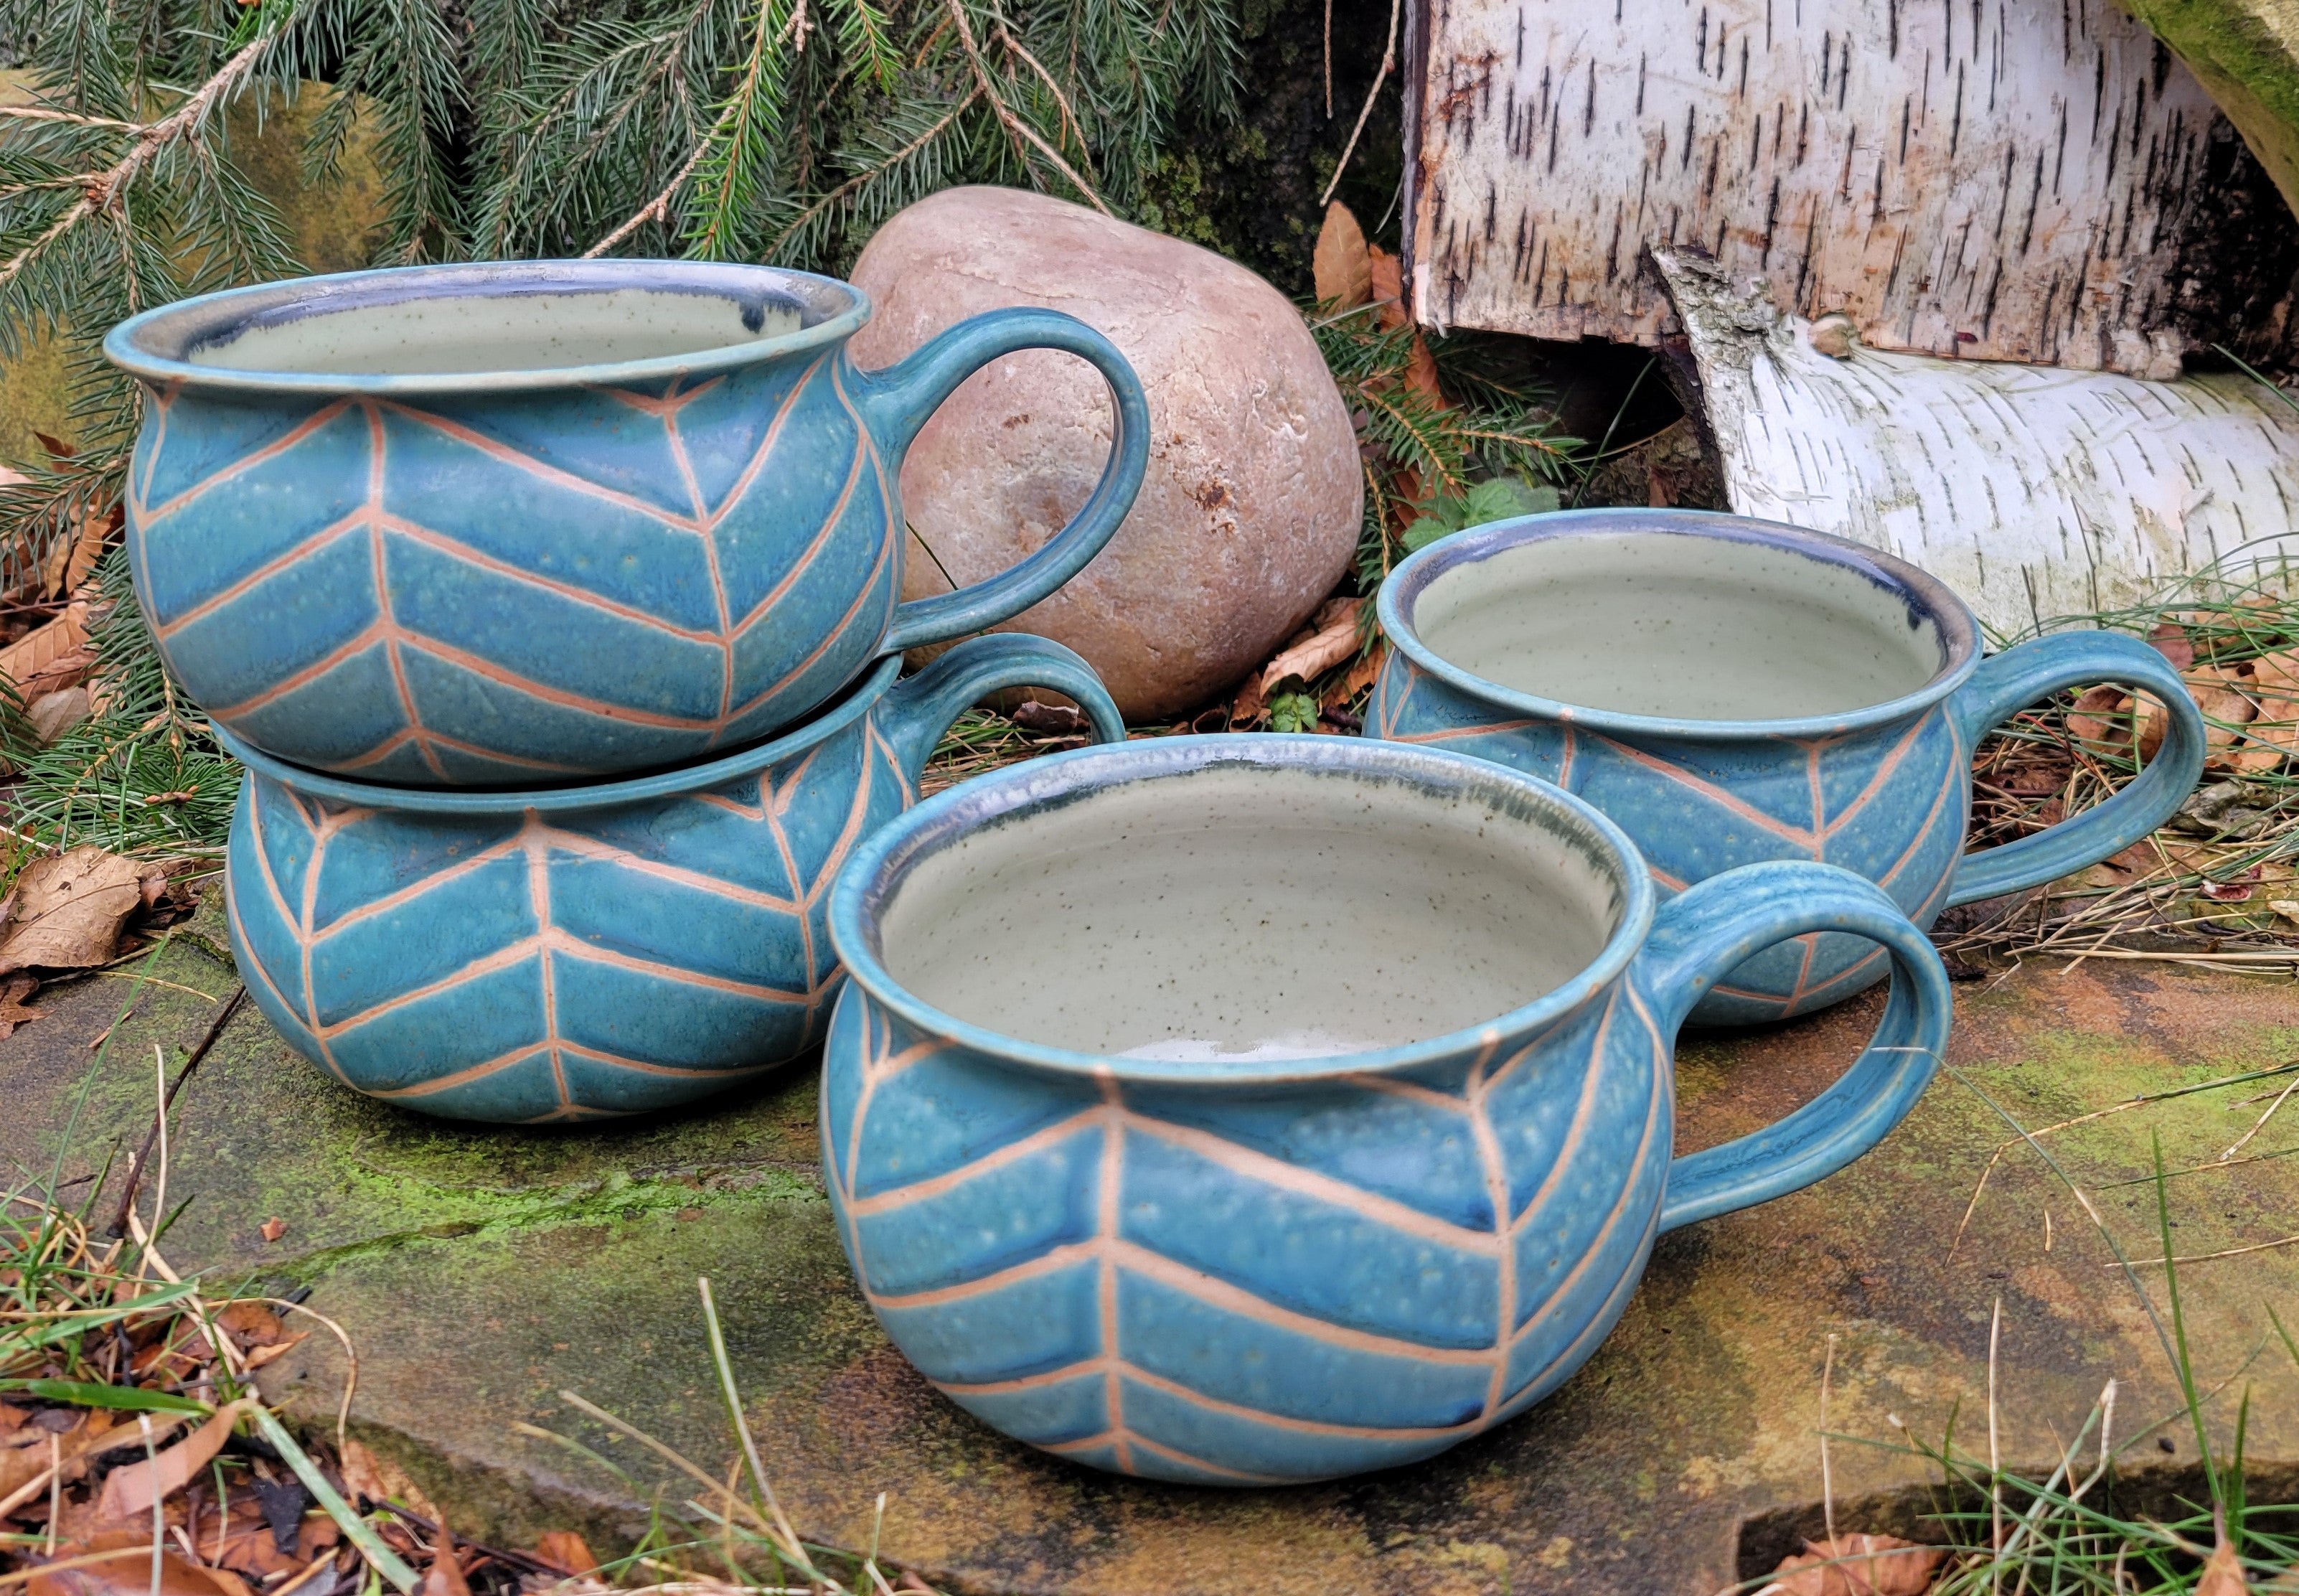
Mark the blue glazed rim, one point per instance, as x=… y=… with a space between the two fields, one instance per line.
x=153 y=345
x=888 y=854
x=674 y=783
x=1920 y=589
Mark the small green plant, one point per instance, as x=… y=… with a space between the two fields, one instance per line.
x=1293 y=712
x=1496 y=499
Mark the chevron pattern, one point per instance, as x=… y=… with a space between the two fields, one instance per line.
x=1248 y=1285
x=508 y=587
x=1891 y=804
x=551 y=967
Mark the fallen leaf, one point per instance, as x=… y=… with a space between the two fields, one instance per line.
x=53 y=714
x=1339 y=267
x=13 y=1013
x=1311 y=659
x=2033 y=780
x=1359 y=676
x=263 y=1356
x=2285 y=908
x=2275 y=684
x=271 y=1230
x=1248 y=706
x=379 y=1479
x=69 y=911
x=71 y=561
x=566 y=1551
x=2093 y=719
x=130 y=1489
x=1884 y=1565
x=11 y=1419
x=127 y=1574
x=2222 y=1572
x=2171 y=640
x=1421 y=374
x=2235 y=889
x=251 y=1324
x=41 y=653
x=444 y=1577
x=1388 y=274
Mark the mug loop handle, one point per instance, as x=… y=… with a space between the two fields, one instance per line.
x=2009 y=682
x=919 y=710
x=1702 y=933
x=898 y=399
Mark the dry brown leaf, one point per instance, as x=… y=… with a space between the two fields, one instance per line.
x=69 y=911
x=250 y=1324
x=1359 y=676
x=1312 y=659
x=73 y=558
x=566 y=1551
x=2275 y=685
x=230 y=1584
x=2091 y=722
x=1339 y=267
x=444 y=1577
x=1885 y=1566
x=2222 y=1572
x=271 y=1230
x=13 y=1013
x=1388 y=287
x=37 y=653
x=130 y=1489
x=1421 y=374
x=11 y=1418
x=127 y=1574
x=2171 y=640
x=263 y=1356
x=379 y=1479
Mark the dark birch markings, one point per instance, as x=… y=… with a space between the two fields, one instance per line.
x=2044 y=205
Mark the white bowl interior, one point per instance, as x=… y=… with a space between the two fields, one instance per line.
x=1682 y=627
x=1248 y=912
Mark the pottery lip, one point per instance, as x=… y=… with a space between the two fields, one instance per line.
x=676 y=782
x=1957 y=627
x=186 y=324
x=886 y=854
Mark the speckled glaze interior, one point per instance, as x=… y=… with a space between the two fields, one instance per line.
x=1240 y=912
x=1689 y=627
x=531 y=316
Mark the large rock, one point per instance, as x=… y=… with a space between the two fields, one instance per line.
x=1250 y=509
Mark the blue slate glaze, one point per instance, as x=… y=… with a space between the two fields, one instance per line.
x=493 y=577
x=1885 y=791
x=587 y=951
x=1256 y=1273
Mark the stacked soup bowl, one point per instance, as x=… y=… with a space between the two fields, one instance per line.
x=554 y=609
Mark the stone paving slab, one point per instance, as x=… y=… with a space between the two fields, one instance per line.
x=480 y=1272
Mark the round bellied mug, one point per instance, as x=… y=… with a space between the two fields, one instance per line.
x=497 y=524
x=1730 y=690
x=587 y=951
x=1245 y=1110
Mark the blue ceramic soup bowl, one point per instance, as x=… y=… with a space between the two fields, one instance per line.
x=492 y=524
x=586 y=950
x=1730 y=690
x=1332 y=1125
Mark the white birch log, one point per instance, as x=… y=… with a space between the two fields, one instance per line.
x=2034 y=493
x=2004 y=180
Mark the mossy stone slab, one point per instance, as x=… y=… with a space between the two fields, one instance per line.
x=481 y=1271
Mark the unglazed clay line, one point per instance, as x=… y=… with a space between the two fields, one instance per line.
x=591 y=952
x=263 y=972
x=1299 y=1427
x=1592 y=1080
x=1107 y=1221
x=1495 y=1168
x=759 y=456
x=1595 y=1248
x=669 y=415
x=464 y=553
x=888 y=1199
x=147 y=514
x=591 y=850
x=461 y=1077
x=1123 y=1442
x=1454 y=733
x=1599 y=1324
x=1885 y=766
x=799 y=567
x=1801 y=837
x=310 y=543
x=1949 y=786
x=407 y=894
x=388 y=620
x=508 y=957
x=538 y=888
x=401 y=738
x=503 y=677
x=368 y=639
x=1391 y=1086
x=1370 y=1206
x=557 y=477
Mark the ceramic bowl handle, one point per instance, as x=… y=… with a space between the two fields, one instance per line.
x=2009 y=682
x=1702 y=933
x=919 y=708
x=898 y=399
